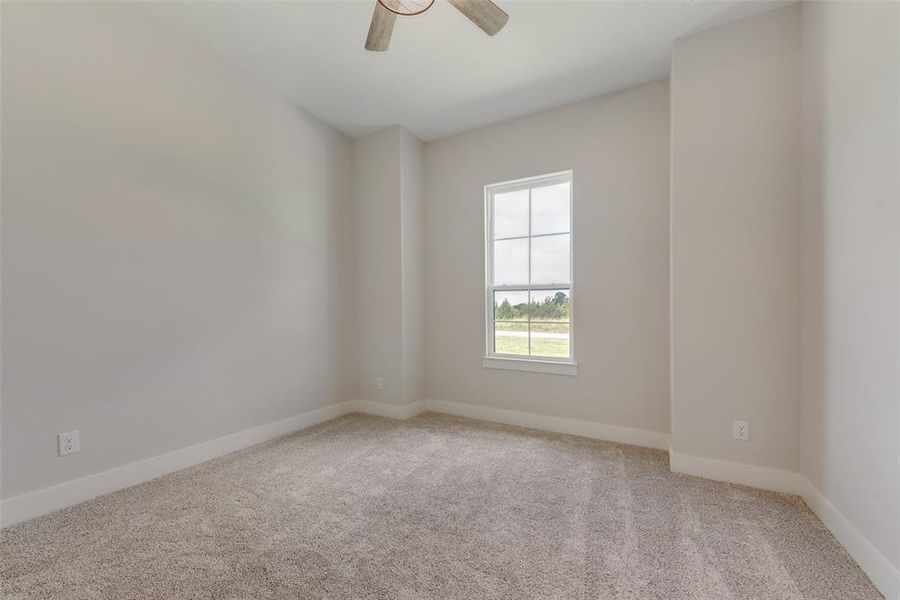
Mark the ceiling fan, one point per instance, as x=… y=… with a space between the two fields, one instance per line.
x=484 y=13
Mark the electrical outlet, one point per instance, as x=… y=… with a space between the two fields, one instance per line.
x=379 y=382
x=69 y=443
x=742 y=431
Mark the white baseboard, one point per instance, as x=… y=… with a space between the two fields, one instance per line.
x=883 y=574
x=33 y=504
x=590 y=429
x=776 y=480
x=392 y=411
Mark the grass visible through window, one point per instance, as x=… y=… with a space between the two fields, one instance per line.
x=548 y=339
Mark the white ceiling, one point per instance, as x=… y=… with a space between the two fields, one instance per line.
x=442 y=75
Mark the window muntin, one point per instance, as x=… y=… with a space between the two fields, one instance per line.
x=529 y=299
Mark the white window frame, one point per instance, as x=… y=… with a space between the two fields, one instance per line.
x=557 y=366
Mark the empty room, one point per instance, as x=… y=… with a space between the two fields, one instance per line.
x=450 y=299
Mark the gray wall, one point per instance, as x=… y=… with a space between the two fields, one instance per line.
x=850 y=408
x=176 y=246
x=618 y=146
x=183 y=255
x=389 y=201
x=735 y=254
x=379 y=340
x=412 y=221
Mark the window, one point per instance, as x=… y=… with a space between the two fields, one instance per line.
x=529 y=292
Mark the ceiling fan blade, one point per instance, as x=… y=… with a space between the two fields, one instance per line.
x=381 y=28
x=484 y=13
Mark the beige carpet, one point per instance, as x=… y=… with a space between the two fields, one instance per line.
x=433 y=507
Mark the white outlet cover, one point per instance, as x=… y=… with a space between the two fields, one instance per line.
x=379 y=382
x=69 y=442
x=742 y=431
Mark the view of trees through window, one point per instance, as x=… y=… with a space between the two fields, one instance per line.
x=538 y=327
x=530 y=267
x=555 y=307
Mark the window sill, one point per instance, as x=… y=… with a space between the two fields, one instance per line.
x=534 y=366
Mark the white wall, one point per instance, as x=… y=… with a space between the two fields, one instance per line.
x=388 y=196
x=376 y=169
x=735 y=257
x=182 y=257
x=412 y=219
x=618 y=146
x=177 y=246
x=850 y=426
